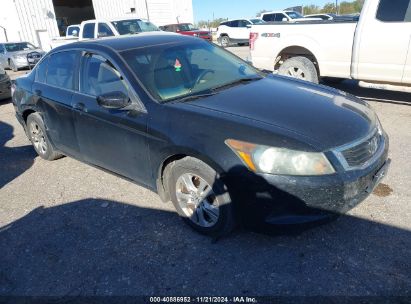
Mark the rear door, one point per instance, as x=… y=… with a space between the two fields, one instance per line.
x=382 y=43
x=112 y=139
x=54 y=85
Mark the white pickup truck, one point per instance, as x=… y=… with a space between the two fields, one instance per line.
x=93 y=29
x=376 y=50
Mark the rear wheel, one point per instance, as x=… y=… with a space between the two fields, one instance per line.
x=225 y=41
x=13 y=66
x=300 y=68
x=200 y=197
x=38 y=137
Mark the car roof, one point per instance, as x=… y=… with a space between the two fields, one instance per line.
x=121 y=43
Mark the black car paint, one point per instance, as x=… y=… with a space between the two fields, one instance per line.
x=137 y=143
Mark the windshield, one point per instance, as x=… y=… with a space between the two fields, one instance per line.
x=294 y=15
x=21 y=46
x=186 y=27
x=175 y=71
x=257 y=21
x=134 y=26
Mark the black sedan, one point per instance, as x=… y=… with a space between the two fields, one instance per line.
x=224 y=142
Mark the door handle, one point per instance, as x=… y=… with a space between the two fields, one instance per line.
x=79 y=106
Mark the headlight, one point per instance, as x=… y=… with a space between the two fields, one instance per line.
x=265 y=159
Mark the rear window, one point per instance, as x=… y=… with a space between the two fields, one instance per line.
x=61 y=67
x=134 y=26
x=394 y=11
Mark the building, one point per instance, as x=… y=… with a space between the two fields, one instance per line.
x=39 y=21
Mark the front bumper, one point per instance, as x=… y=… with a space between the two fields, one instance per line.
x=286 y=200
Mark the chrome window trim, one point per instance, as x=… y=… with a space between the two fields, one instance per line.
x=338 y=152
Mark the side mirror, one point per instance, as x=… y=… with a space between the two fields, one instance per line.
x=101 y=34
x=284 y=19
x=248 y=26
x=113 y=100
x=74 y=33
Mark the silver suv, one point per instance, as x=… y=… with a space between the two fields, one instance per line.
x=16 y=55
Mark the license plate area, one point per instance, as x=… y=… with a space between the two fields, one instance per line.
x=378 y=176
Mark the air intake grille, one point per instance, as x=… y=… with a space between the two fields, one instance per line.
x=358 y=155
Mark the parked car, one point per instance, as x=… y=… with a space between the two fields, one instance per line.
x=204 y=129
x=5 y=84
x=187 y=29
x=17 y=55
x=285 y=16
x=341 y=50
x=235 y=31
x=101 y=28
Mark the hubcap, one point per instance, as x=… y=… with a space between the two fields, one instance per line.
x=296 y=73
x=37 y=138
x=224 y=41
x=197 y=200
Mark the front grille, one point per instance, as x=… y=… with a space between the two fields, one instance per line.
x=361 y=153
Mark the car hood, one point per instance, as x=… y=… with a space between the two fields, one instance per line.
x=326 y=117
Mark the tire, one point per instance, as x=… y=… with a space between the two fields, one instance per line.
x=299 y=67
x=38 y=137
x=210 y=214
x=225 y=41
x=13 y=66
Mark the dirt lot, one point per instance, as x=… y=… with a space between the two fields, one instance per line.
x=70 y=229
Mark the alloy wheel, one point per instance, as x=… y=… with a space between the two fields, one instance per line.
x=38 y=138
x=197 y=200
x=296 y=73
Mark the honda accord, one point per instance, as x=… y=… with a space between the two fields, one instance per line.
x=204 y=129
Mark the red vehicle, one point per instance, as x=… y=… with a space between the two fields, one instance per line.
x=186 y=29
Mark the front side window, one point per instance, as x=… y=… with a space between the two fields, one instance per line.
x=243 y=23
x=20 y=46
x=134 y=26
x=257 y=21
x=174 y=71
x=61 y=70
x=100 y=77
x=104 y=30
x=88 y=30
x=394 y=11
x=41 y=70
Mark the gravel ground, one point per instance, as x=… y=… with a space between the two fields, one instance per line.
x=69 y=229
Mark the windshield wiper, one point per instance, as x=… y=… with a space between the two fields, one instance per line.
x=191 y=97
x=236 y=82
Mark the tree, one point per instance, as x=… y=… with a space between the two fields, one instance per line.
x=261 y=12
x=311 y=9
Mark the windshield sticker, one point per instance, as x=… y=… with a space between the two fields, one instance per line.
x=177 y=65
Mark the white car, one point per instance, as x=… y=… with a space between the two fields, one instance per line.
x=235 y=31
x=284 y=16
x=376 y=50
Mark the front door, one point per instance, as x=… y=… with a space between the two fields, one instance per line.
x=382 y=42
x=110 y=138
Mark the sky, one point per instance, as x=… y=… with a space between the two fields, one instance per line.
x=231 y=9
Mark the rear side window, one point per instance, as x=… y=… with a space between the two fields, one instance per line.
x=100 y=77
x=41 y=71
x=61 y=70
x=104 y=30
x=88 y=30
x=394 y=11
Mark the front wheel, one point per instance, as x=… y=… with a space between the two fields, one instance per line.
x=13 y=66
x=225 y=41
x=300 y=68
x=200 y=197
x=38 y=137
